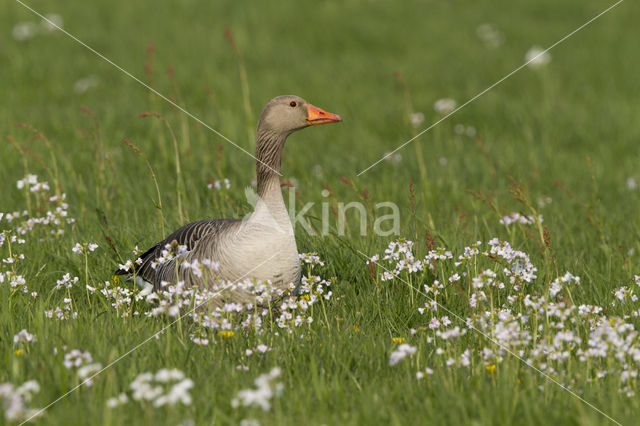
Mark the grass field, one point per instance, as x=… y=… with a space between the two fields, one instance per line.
x=557 y=141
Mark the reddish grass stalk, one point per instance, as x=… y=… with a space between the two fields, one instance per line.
x=179 y=183
x=22 y=153
x=184 y=123
x=101 y=188
x=155 y=182
x=51 y=147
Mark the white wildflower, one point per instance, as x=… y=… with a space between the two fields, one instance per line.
x=85 y=84
x=118 y=400
x=23 y=337
x=166 y=387
x=266 y=389
x=416 y=119
x=402 y=352
x=14 y=400
x=489 y=35
x=24 y=31
x=392 y=157
x=52 y=22
x=444 y=106
x=537 y=57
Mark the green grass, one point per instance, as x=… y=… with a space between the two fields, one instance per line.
x=573 y=122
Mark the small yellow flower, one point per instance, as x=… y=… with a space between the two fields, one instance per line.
x=398 y=340
x=19 y=352
x=305 y=297
x=225 y=333
x=116 y=279
x=491 y=368
x=356 y=329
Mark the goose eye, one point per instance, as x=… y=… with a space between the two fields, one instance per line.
x=293 y=104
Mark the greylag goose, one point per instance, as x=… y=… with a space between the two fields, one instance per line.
x=259 y=248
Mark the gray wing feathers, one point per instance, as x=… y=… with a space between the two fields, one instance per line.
x=188 y=235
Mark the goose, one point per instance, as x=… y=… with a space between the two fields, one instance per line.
x=259 y=248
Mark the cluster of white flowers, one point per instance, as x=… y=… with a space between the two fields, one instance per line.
x=127 y=266
x=9 y=265
x=62 y=313
x=490 y=35
x=84 y=248
x=544 y=201
x=294 y=306
x=199 y=339
x=76 y=358
x=311 y=258
x=403 y=351
x=82 y=85
x=165 y=387
x=400 y=258
x=537 y=57
x=23 y=337
x=121 y=297
x=436 y=322
x=66 y=281
x=521 y=219
x=445 y=106
x=559 y=283
x=218 y=184
x=15 y=281
x=546 y=329
x=416 y=119
x=295 y=309
x=260 y=349
x=28 y=181
x=392 y=157
x=461 y=129
x=13 y=259
x=170 y=251
x=266 y=389
x=122 y=398
x=24 y=31
x=198 y=269
x=624 y=294
x=15 y=400
x=82 y=363
x=6 y=236
x=217 y=313
x=520 y=270
x=87 y=372
x=420 y=374
x=54 y=217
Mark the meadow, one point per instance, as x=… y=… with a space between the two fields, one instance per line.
x=509 y=295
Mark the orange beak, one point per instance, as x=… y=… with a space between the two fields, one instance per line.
x=316 y=115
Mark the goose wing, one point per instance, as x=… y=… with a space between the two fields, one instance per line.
x=188 y=236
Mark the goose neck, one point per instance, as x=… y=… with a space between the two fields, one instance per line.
x=269 y=147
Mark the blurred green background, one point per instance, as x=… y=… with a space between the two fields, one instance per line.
x=341 y=56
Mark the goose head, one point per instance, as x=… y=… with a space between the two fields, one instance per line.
x=281 y=117
x=286 y=114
